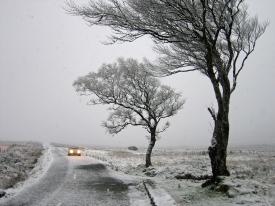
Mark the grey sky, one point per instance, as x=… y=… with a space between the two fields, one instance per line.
x=43 y=50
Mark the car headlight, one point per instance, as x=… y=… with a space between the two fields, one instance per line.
x=71 y=151
x=78 y=151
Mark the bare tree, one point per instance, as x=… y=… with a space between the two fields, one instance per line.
x=136 y=98
x=214 y=37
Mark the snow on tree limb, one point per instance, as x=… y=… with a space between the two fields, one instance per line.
x=136 y=97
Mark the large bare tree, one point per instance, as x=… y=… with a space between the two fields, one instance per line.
x=214 y=37
x=136 y=98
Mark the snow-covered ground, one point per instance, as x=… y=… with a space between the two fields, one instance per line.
x=22 y=164
x=252 y=180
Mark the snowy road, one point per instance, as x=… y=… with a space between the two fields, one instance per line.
x=72 y=181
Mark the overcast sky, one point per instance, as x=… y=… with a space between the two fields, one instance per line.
x=43 y=50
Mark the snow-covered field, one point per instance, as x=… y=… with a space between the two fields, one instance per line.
x=21 y=164
x=252 y=180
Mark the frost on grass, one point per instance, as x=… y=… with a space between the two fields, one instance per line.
x=182 y=171
x=166 y=163
x=16 y=162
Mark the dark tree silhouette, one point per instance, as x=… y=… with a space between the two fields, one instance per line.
x=136 y=98
x=214 y=37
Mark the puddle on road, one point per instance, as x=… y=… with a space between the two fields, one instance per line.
x=99 y=181
x=104 y=184
x=95 y=167
x=109 y=184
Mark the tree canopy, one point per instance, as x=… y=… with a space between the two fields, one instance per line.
x=135 y=97
x=192 y=34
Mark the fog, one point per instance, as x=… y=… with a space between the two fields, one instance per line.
x=43 y=50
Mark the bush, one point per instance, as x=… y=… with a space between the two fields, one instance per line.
x=134 y=148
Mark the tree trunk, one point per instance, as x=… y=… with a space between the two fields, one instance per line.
x=221 y=85
x=218 y=149
x=150 y=148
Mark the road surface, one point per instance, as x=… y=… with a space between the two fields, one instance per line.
x=78 y=181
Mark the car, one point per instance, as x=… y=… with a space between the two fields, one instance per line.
x=74 y=151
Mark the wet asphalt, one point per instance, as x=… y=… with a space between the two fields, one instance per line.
x=73 y=181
